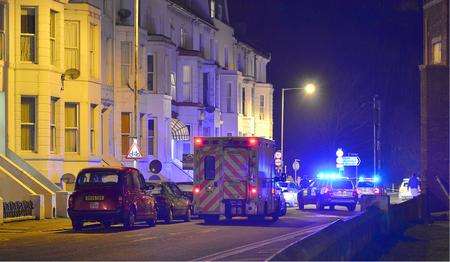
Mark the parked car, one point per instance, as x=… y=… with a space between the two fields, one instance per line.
x=170 y=201
x=110 y=196
x=369 y=186
x=404 y=192
x=329 y=192
x=186 y=188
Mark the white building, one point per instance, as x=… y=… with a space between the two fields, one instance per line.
x=67 y=73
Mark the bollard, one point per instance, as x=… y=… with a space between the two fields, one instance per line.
x=38 y=206
x=1 y=210
x=62 y=201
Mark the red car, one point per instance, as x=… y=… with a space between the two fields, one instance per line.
x=111 y=195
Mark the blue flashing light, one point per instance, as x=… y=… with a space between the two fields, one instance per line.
x=328 y=176
x=376 y=179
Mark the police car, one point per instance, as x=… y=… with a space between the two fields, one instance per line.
x=329 y=190
x=369 y=186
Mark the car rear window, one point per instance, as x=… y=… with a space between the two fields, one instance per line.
x=366 y=184
x=98 y=178
x=185 y=187
x=342 y=184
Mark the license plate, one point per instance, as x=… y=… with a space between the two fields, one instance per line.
x=94 y=198
x=93 y=205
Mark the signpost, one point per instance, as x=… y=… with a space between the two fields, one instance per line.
x=134 y=152
x=278 y=159
x=339 y=159
x=351 y=161
x=296 y=167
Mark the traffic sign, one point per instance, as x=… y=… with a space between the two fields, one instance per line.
x=278 y=162
x=296 y=165
x=351 y=161
x=134 y=152
x=278 y=155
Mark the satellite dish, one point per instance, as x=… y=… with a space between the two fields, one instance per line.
x=155 y=166
x=210 y=109
x=73 y=73
x=68 y=178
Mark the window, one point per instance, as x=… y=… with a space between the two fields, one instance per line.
x=172 y=32
x=109 y=61
x=107 y=7
x=210 y=167
x=28 y=123
x=219 y=12
x=212 y=8
x=2 y=32
x=93 y=51
x=28 y=34
x=125 y=62
x=211 y=49
x=72 y=127
x=173 y=84
x=436 y=50
x=183 y=38
x=125 y=130
x=72 y=44
x=226 y=57
x=239 y=99
x=92 y=129
x=187 y=83
x=201 y=44
x=186 y=148
x=205 y=89
x=167 y=75
x=261 y=107
x=151 y=137
x=253 y=101
x=52 y=37
x=244 y=112
x=53 y=124
x=229 y=98
x=150 y=72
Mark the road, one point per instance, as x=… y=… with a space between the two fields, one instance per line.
x=239 y=239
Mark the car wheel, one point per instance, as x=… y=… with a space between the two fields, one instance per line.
x=77 y=225
x=351 y=207
x=151 y=222
x=187 y=217
x=210 y=219
x=106 y=224
x=319 y=205
x=130 y=219
x=284 y=210
x=169 y=216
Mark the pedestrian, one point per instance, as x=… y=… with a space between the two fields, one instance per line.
x=413 y=185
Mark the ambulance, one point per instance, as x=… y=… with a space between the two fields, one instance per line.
x=235 y=177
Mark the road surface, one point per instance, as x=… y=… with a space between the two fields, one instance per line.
x=239 y=239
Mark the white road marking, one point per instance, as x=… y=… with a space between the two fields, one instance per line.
x=143 y=239
x=238 y=250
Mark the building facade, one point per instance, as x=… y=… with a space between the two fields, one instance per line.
x=435 y=104
x=67 y=79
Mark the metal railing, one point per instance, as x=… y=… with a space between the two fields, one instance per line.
x=14 y=209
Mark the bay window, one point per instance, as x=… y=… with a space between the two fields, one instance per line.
x=72 y=124
x=125 y=131
x=71 y=44
x=28 y=123
x=28 y=34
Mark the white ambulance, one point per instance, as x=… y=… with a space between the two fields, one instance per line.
x=234 y=176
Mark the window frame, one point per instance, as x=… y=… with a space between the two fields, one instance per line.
x=151 y=73
x=34 y=35
x=123 y=134
x=229 y=98
x=2 y=31
x=262 y=103
x=93 y=51
x=53 y=141
x=52 y=36
x=151 y=137
x=75 y=48
x=33 y=146
x=125 y=64
x=436 y=41
x=71 y=128
x=92 y=145
x=187 y=84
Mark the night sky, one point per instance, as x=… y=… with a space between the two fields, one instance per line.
x=352 y=49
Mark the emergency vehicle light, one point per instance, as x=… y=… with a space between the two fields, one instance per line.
x=198 y=141
x=328 y=176
x=252 y=141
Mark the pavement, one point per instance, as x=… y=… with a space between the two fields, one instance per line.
x=239 y=239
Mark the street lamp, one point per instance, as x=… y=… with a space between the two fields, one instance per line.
x=309 y=89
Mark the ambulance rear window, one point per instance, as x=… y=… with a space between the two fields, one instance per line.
x=210 y=168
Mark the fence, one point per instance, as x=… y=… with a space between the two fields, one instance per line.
x=14 y=209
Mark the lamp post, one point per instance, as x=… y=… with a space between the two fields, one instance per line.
x=309 y=89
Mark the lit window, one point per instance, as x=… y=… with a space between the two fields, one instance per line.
x=212 y=8
x=436 y=50
x=2 y=31
x=53 y=124
x=173 y=84
x=125 y=130
x=150 y=72
x=125 y=62
x=72 y=44
x=72 y=127
x=28 y=34
x=93 y=51
x=261 y=107
x=92 y=129
x=187 y=83
x=52 y=37
x=151 y=137
x=28 y=123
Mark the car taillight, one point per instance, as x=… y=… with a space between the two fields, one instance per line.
x=71 y=201
x=252 y=190
x=198 y=142
x=376 y=190
x=252 y=141
x=196 y=190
